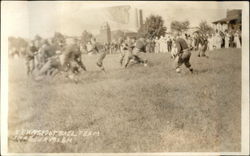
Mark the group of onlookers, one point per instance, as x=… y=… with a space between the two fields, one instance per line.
x=224 y=39
x=211 y=41
x=160 y=44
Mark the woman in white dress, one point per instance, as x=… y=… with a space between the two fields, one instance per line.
x=210 y=43
x=165 y=45
x=237 y=40
x=227 y=37
x=213 y=44
x=161 y=44
x=218 y=41
x=157 y=45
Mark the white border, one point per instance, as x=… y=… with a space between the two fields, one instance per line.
x=245 y=81
x=4 y=85
x=245 y=88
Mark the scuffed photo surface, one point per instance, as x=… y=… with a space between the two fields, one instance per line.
x=123 y=77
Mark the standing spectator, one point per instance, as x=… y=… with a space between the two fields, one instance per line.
x=169 y=43
x=222 y=39
x=227 y=37
x=231 y=40
x=237 y=40
x=196 y=41
x=165 y=46
x=157 y=45
x=218 y=41
x=210 y=42
x=214 y=41
x=189 y=42
x=161 y=42
x=202 y=44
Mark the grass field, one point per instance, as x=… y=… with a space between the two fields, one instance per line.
x=139 y=109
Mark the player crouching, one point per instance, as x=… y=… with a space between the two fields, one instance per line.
x=138 y=52
x=182 y=54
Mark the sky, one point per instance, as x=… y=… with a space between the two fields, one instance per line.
x=26 y=19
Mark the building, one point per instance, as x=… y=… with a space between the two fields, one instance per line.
x=140 y=18
x=232 y=22
x=135 y=21
x=105 y=34
x=136 y=16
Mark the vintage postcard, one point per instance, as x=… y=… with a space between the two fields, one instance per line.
x=124 y=78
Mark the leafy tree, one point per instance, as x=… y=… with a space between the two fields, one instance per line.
x=153 y=27
x=179 y=26
x=205 y=28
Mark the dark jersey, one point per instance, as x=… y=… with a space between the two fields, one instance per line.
x=127 y=45
x=31 y=52
x=202 y=40
x=181 y=45
x=169 y=41
x=196 y=41
x=33 y=49
x=47 y=51
x=140 y=45
x=72 y=51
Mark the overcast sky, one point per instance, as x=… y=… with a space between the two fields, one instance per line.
x=26 y=19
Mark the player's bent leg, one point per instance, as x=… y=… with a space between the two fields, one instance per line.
x=28 y=68
x=80 y=63
x=122 y=57
x=46 y=67
x=185 y=58
x=128 y=58
x=99 y=62
x=188 y=65
x=177 y=64
x=140 y=56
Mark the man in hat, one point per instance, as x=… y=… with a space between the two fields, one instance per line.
x=183 y=53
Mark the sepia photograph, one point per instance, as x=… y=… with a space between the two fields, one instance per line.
x=124 y=77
